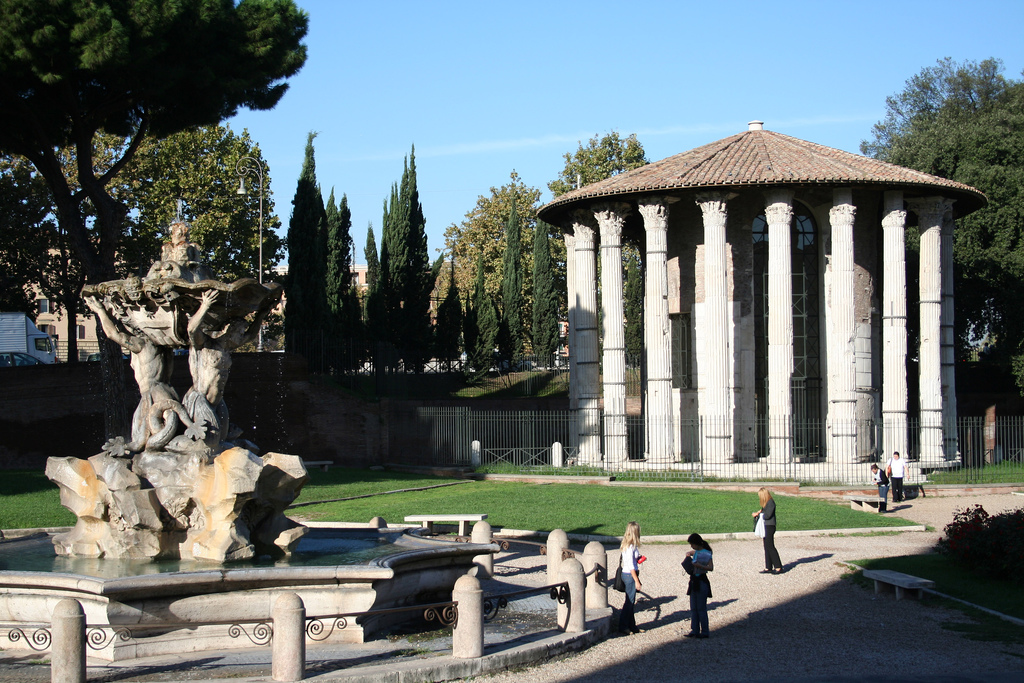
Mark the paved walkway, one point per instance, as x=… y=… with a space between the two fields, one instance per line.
x=807 y=624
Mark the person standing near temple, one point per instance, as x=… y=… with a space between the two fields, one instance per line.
x=896 y=469
x=772 y=563
x=882 y=482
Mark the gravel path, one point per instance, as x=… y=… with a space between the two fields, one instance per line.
x=806 y=624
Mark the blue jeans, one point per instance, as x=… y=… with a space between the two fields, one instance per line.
x=883 y=494
x=627 y=620
x=699 y=607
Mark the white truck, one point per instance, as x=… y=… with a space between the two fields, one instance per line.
x=19 y=333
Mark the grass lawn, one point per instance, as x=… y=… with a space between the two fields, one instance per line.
x=954 y=580
x=577 y=508
x=30 y=500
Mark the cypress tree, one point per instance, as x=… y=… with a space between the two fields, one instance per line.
x=370 y=254
x=449 y=323
x=486 y=326
x=545 y=298
x=510 y=342
x=342 y=299
x=305 y=309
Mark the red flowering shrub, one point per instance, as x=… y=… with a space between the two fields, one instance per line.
x=991 y=545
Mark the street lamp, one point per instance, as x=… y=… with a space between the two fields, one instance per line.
x=251 y=166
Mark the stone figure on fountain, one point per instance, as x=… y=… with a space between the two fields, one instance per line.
x=183 y=484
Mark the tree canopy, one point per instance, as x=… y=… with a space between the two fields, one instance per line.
x=602 y=158
x=965 y=122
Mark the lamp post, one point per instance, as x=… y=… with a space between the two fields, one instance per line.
x=251 y=166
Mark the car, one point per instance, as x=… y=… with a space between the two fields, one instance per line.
x=93 y=357
x=9 y=359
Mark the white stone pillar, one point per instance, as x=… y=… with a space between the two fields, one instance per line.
x=610 y=218
x=587 y=343
x=949 y=440
x=842 y=333
x=660 y=442
x=716 y=406
x=779 y=214
x=894 y=326
x=929 y=219
x=571 y=304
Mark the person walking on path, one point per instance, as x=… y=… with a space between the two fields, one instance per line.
x=896 y=469
x=699 y=561
x=630 y=550
x=772 y=563
x=882 y=482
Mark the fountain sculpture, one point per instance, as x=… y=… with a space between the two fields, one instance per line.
x=184 y=484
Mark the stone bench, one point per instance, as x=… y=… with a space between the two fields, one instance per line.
x=322 y=464
x=900 y=582
x=428 y=521
x=865 y=503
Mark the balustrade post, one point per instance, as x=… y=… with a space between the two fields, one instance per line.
x=289 y=649
x=572 y=615
x=468 y=635
x=595 y=569
x=558 y=541
x=67 y=643
x=474 y=454
x=485 y=563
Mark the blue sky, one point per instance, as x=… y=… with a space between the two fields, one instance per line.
x=485 y=88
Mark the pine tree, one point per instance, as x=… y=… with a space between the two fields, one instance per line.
x=342 y=298
x=634 y=309
x=510 y=340
x=449 y=323
x=545 y=298
x=306 y=305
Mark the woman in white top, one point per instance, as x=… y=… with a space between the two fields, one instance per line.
x=630 y=552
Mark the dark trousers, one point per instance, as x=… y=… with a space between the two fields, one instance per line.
x=627 y=619
x=771 y=555
x=897 y=489
x=699 y=591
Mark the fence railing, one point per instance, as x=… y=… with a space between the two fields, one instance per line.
x=970 y=449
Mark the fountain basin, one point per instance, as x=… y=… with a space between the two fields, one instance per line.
x=168 y=612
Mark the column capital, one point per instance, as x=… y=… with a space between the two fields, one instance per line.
x=896 y=218
x=583 y=233
x=930 y=210
x=842 y=214
x=655 y=212
x=713 y=201
x=611 y=216
x=778 y=210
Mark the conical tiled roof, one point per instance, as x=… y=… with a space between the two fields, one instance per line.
x=762 y=158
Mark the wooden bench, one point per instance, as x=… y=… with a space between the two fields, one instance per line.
x=428 y=521
x=899 y=581
x=322 y=464
x=866 y=503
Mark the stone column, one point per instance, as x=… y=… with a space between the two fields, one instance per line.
x=949 y=442
x=557 y=541
x=610 y=218
x=572 y=615
x=842 y=333
x=929 y=220
x=595 y=568
x=485 y=563
x=894 y=326
x=587 y=364
x=779 y=214
x=468 y=634
x=659 y=418
x=67 y=644
x=288 y=656
x=716 y=406
x=571 y=304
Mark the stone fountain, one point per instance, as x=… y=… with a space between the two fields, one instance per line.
x=185 y=484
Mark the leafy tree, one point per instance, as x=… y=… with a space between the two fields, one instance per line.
x=483 y=229
x=25 y=227
x=545 y=298
x=305 y=317
x=449 y=323
x=197 y=166
x=634 y=308
x=965 y=122
x=69 y=70
x=600 y=159
x=510 y=323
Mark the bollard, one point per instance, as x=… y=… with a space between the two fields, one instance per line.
x=67 y=644
x=474 y=454
x=482 y=534
x=558 y=541
x=572 y=616
x=289 y=650
x=468 y=635
x=557 y=458
x=595 y=567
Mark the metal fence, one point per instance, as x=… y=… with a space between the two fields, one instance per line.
x=824 y=452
